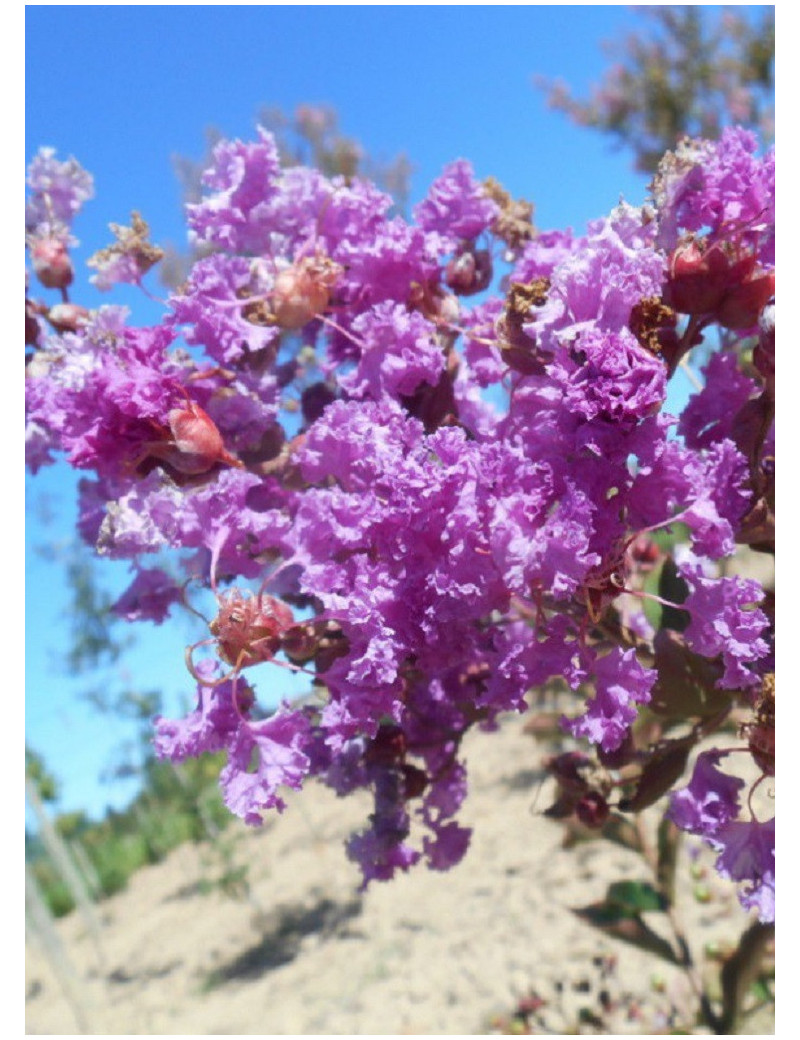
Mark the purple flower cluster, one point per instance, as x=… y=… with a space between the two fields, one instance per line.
x=58 y=191
x=709 y=807
x=310 y=417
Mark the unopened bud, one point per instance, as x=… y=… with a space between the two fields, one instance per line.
x=51 y=263
x=743 y=304
x=67 y=317
x=314 y=400
x=415 y=780
x=644 y=552
x=470 y=271
x=302 y=292
x=32 y=327
x=388 y=746
x=300 y=643
x=592 y=810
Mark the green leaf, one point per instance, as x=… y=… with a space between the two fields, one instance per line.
x=761 y=991
x=634 y=897
x=652 y=608
x=667 y=538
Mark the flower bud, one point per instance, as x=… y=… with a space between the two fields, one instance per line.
x=67 y=317
x=314 y=400
x=195 y=432
x=300 y=643
x=192 y=445
x=415 y=780
x=470 y=270
x=697 y=280
x=620 y=756
x=303 y=291
x=743 y=304
x=592 y=810
x=726 y=285
x=32 y=326
x=51 y=263
x=388 y=746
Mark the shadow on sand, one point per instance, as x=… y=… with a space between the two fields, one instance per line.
x=284 y=930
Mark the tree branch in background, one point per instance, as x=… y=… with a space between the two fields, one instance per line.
x=683 y=74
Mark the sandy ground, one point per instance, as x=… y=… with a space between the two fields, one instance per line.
x=429 y=953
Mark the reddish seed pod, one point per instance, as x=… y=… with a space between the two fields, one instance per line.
x=388 y=746
x=196 y=442
x=592 y=810
x=721 y=282
x=300 y=643
x=470 y=270
x=248 y=628
x=644 y=553
x=195 y=432
x=190 y=446
x=415 y=781
x=67 y=317
x=332 y=644
x=303 y=291
x=51 y=263
x=697 y=280
x=743 y=304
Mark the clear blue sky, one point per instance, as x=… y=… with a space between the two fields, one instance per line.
x=125 y=88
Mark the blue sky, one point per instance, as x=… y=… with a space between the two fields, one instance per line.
x=123 y=89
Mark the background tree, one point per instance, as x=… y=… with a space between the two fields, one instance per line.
x=684 y=73
x=40 y=776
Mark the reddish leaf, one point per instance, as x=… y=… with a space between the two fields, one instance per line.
x=685 y=686
x=622 y=832
x=664 y=766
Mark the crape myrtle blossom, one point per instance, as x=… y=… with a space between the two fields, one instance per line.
x=151 y=595
x=719 y=187
x=620 y=683
x=456 y=206
x=221 y=722
x=709 y=807
x=723 y=624
x=58 y=190
x=463 y=499
x=209 y=310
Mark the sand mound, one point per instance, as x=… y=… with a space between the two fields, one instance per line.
x=429 y=953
